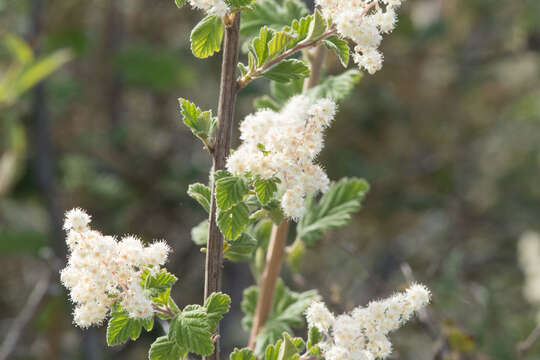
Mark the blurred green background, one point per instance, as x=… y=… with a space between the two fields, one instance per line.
x=447 y=134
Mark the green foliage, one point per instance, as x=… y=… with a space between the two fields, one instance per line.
x=272 y=13
x=166 y=349
x=265 y=189
x=191 y=330
x=217 y=305
x=240 y=249
x=317 y=27
x=287 y=311
x=158 y=282
x=206 y=37
x=233 y=221
x=336 y=87
x=202 y=194
x=164 y=299
x=340 y=47
x=333 y=210
x=180 y=3
x=295 y=255
x=286 y=348
x=287 y=70
x=242 y=354
x=121 y=327
x=199 y=234
x=314 y=337
x=230 y=190
x=239 y=4
x=201 y=123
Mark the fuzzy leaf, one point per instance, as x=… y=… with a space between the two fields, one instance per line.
x=180 y=3
x=206 y=37
x=233 y=221
x=199 y=234
x=191 y=331
x=272 y=13
x=230 y=190
x=340 y=47
x=217 y=304
x=317 y=27
x=242 y=354
x=201 y=123
x=121 y=327
x=165 y=349
x=336 y=87
x=238 y=4
x=287 y=70
x=240 y=249
x=158 y=282
x=202 y=194
x=265 y=189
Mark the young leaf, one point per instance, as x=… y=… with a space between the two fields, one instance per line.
x=240 y=249
x=279 y=43
x=233 y=221
x=340 y=47
x=288 y=350
x=191 y=331
x=201 y=193
x=230 y=190
x=238 y=4
x=121 y=327
x=314 y=337
x=180 y=3
x=265 y=189
x=202 y=124
x=199 y=234
x=158 y=282
x=243 y=354
x=317 y=27
x=206 y=37
x=336 y=87
x=287 y=70
x=272 y=13
x=259 y=45
x=272 y=351
x=217 y=304
x=333 y=210
x=165 y=349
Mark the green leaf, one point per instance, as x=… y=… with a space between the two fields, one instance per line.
x=336 y=87
x=238 y=4
x=201 y=123
x=272 y=351
x=243 y=354
x=314 y=337
x=180 y=3
x=295 y=255
x=265 y=189
x=233 y=221
x=165 y=349
x=280 y=42
x=301 y=27
x=272 y=13
x=202 y=194
x=230 y=190
x=240 y=249
x=217 y=304
x=273 y=208
x=199 y=234
x=288 y=350
x=191 y=331
x=206 y=37
x=333 y=210
x=266 y=102
x=340 y=47
x=259 y=45
x=287 y=70
x=121 y=327
x=158 y=282
x=317 y=27
x=164 y=299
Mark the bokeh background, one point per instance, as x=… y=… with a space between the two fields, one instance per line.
x=447 y=134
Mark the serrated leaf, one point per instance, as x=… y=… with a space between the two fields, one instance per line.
x=191 y=331
x=340 y=47
x=180 y=3
x=121 y=327
x=314 y=337
x=201 y=193
x=230 y=190
x=295 y=255
x=336 y=87
x=275 y=212
x=271 y=13
x=165 y=349
x=272 y=351
x=279 y=43
x=158 y=282
x=217 y=305
x=206 y=37
x=238 y=4
x=265 y=189
x=288 y=350
x=287 y=70
x=301 y=27
x=317 y=27
x=201 y=123
x=199 y=234
x=241 y=249
x=259 y=46
x=233 y=221
x=333 y=210
x=242 y=354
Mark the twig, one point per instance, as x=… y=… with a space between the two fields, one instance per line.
x=28 y=311
x=524 y=346
x=227 y=100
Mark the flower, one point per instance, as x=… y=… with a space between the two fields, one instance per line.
x=211 y=7
x=529 y=259
x=284 y=145
x=362 y=334
x=364 y=22
x=102 y=271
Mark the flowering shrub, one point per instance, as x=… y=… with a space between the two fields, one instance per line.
x=270 y=181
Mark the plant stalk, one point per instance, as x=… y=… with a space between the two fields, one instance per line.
x=278 y=239
x=227 y=99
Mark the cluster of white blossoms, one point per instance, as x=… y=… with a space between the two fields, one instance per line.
x=362 y=334
x=529 y=259
x=102 y=271
x=284 y=145
x=211 y=7
x=364 y=22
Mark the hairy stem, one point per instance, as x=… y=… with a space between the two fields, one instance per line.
x=278 y=239
x=227 y=100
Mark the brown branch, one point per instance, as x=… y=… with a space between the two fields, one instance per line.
x=278 y=239
x=524 y=346
x=227 y=100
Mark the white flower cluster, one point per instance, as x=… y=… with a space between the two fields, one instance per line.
x=362 y=334
x=284 y=145
x=529 y=259
x=211 y=7
x=102 y=271
x=364 y=22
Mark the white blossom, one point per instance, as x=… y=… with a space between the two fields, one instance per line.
x=529 y=259
x=363 y=333
x=364 y=22
x=102 y=271
x=211 y=7
x=284 y=145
